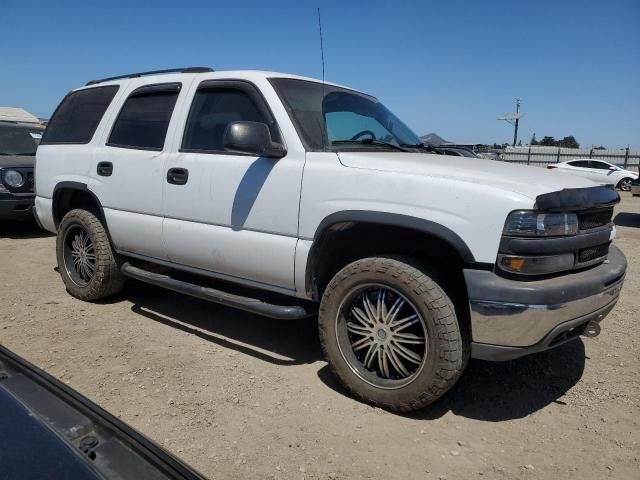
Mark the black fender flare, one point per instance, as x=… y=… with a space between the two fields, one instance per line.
x=70 y=185
x=384 y=219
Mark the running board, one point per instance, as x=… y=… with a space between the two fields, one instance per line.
x=252 y=305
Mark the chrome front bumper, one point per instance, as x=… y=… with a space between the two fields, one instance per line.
x=522 y=315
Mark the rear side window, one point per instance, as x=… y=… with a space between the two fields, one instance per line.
x=77 y=117
x=144 y=118
x=580 y=163
x=215 y=107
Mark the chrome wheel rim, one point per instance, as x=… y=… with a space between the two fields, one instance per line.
x=382 y=336
x=79 y=256
x=625 y=185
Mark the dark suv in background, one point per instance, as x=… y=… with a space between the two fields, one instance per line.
x=18 y=144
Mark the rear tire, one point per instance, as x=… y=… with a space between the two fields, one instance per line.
x=419 y=351
x=86 y=261
x=625 y=184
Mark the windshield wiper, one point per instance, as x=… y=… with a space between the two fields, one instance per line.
x=421 y=146
x=370 y=141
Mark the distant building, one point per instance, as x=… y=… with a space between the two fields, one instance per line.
x=18 y=115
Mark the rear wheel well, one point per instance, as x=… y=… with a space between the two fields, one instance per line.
x=70 y=198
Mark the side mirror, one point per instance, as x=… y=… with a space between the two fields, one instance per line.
x=252 y=137
x=612 y=168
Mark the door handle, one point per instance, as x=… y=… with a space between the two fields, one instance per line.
x=177 y=176
x=105 y=169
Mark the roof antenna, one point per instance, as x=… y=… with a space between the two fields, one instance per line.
x=322 y=102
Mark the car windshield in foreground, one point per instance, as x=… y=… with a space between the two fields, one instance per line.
x=334 y=118
x=16 y=140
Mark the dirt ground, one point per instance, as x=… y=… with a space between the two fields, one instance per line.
x=240 y=396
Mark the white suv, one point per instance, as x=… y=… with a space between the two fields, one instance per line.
x=319 y=194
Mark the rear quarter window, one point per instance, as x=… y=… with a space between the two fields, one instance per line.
x=78 y=115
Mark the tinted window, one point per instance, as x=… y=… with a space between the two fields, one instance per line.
x=600 y=165
x=77 y=117
x=16 y=140
x=212 y=110
x=580 y=163
x=144 y=118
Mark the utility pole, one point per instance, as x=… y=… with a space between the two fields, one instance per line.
x=515 y=133
x=513 y=119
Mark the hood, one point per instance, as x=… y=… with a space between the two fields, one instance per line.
x=521 y=179
x=17 y=160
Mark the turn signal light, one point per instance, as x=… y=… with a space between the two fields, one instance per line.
x=539 y=265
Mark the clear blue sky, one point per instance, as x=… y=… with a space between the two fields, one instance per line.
x=446 y=67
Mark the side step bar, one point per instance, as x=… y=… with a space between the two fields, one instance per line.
x=247 y=304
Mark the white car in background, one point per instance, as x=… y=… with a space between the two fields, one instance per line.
x=599 y=171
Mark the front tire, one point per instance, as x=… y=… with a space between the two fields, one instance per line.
x=390 y=334
x=85 y=259
x=625 y=184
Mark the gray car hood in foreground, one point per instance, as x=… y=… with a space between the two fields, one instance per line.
x=17 y=160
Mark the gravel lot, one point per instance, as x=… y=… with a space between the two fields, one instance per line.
x=239 y=396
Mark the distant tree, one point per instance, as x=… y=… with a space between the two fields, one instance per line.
x=568 y=142
x=519 y=143
x=548 y=141
x=533 y=140
x=599 y=148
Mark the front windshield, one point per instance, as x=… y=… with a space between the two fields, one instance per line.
x=16 y=140
x=333 y=118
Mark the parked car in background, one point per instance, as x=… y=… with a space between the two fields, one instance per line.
x=456 y=151
x=599 y=171
x=414 y=262
x=635 y=187
x=18 y=144
x=488 y=155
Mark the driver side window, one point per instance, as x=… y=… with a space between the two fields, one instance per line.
x=212 y=110
x=600 y=165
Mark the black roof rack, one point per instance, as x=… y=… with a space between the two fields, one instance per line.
x=154 y=72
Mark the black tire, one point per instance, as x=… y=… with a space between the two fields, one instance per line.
x=105 y=279
x=625 y=184
x=446 y=349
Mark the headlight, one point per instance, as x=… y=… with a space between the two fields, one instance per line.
x=527 y=223
x=13 y=178
x=539 y=265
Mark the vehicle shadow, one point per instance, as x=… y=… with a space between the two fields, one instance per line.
x=280 y=342
x=488 y=391
x=499 y=391
x=17 y=230
x=626 y=219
